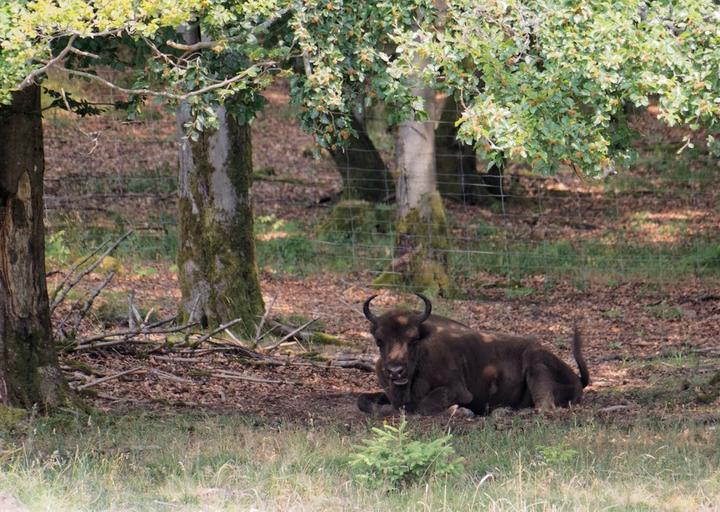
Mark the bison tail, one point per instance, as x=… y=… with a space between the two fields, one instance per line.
x=579 y=359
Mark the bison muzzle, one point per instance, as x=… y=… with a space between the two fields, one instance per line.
x=428 y=363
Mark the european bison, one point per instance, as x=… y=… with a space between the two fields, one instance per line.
x=429 y=363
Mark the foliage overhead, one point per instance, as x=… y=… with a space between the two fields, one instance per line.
x=546 y=81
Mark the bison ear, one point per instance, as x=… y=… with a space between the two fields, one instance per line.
x=428 y=308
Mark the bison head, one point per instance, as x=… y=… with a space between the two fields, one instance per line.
x=396 y=334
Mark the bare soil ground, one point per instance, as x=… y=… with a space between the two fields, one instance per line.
x=652 y=346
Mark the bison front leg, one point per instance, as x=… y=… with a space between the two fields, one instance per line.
x=441 y=399
x=376 y=404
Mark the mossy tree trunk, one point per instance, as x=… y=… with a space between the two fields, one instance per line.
x=364 y=173
x=456 y=162
x=420 y=259
x=216 y=258
x=29 y=371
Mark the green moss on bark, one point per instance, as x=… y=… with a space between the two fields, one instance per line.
x=357 y=219
x=420 y=261
x=216 y=256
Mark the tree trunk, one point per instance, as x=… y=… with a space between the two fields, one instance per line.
x=29 y=371
x=458 y=178
x=420 y=259
x=216 y=258
x=363 y=171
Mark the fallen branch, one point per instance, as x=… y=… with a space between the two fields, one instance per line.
x=226 y=347
x=127 y=334
x=217 y=330
x=262 y=322
x=169 y=376
x=69 y=285
x=88 y=303
x=74 y=269
x=289 y=335
x=360 y=363
x=174 y=359
x=239 y=376
x=109 y=377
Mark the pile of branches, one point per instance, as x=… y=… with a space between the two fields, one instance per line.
x=154 y=337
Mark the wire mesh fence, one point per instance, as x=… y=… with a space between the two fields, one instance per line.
x=656 y=221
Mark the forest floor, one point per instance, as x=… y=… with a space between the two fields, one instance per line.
x=633 y=259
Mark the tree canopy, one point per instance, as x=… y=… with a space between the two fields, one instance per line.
x=545 y=81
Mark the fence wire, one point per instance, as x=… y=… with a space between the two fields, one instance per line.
x=656 y=221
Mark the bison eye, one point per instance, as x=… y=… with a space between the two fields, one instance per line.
x=378 y=342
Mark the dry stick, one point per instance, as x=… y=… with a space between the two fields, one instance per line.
x=262 y=322
x=86 y=343
x=110 y=377
x=269 y=331
x=291 y=334
x=169 y=376
x=234 y=338
x=228 y=348
x=237 y=376
x=74 y=269
x=217 y=330
x=89 y=302
x=131 y=316
x=174 y=359
x=85 y=272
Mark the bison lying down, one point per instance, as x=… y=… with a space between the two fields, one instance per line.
x=429 y=363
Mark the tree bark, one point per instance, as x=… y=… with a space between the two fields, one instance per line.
x=29 y=371
x=216 y=259
x=364 y=173
x=420 y=258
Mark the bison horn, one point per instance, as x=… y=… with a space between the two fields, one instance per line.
x=366 y=309
x=428 y=308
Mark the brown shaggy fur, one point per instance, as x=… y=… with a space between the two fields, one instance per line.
x=429 y=363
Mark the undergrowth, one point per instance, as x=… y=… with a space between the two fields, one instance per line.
x=144 y=461
x=393 y=457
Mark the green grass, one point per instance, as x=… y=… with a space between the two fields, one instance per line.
x=69 y=240
x=588 y=259
x=291 y=248
x=669 y=172
x=155 y=181
x=300 y=250
x=142 y=461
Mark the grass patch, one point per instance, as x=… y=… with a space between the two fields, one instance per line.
x=142 y=461
x=68 y=240
x=289 y=247
x=660 y=169
x=590 y=259
x=664 y=311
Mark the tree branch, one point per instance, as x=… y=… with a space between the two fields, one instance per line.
x=85 y=272
x=88 y=304
x=109 y=377
x=169 y=95
x=30 y=79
